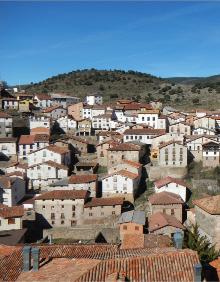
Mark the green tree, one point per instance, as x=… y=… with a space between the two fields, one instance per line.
x=194 y=241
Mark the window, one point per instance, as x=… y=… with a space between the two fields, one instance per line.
x=90 y=214
x=52 y=222
x=62 y=215
x=102 y=213
x=125 y=227
x=73 y=208
x=11 y=221
x=164 y=210
x=52 y=216
x=136 y=227
x=62 y=206
x=113 y=212
x=172 y=212
x=62 y=222
x=43 y=207
x=52 y=207
x=73 y=214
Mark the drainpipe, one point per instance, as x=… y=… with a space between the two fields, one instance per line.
x=26 y=258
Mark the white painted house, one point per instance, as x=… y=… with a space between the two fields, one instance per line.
x=120 y=183
x=35 y=122
x=44 y=174
x=43 y=101
x=12 y=190
x=60 y=155
x=143 y=135
x=67 y=124
x=93 y=99
x=148 y=117
x=8 y=147
x=173 y=185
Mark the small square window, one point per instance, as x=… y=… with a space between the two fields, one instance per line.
x=125 y=227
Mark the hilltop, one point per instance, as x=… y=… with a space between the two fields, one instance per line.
x=180 y=92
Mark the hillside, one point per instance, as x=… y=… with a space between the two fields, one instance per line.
x=182 y=93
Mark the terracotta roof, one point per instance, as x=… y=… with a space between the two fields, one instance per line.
x=4 y=115
x=51 y=163
x=209 y=204
x=157 y=241
x=160 y=220
x=132 y=163
x=42 y=130
x=41 y=138
x=125 y=147
x=124 y=173
x=50 y=109
x=83 y=178
x=132 y=241
x=8 y=140
x=26 y=140
x=11 y=212
x=176 y=266
x=62 y=195
x=43 y=97
x=165 y=198
x=95 y=202
x=144 y=131
x=108 y=133
x=164 y=144
x=57 y=149
x=162 y=182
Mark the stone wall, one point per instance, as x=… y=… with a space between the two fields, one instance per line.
x=156 y=172
x=205 y=185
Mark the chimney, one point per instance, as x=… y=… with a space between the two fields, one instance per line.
x=35 y=256
x=26 y=258
x=198 y=272
x=178 y=239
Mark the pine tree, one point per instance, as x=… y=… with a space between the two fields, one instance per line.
x=194 y=241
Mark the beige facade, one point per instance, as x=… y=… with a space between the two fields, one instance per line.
x=75 y=110
x=209 y=225
x=173 y=155
x=179 y=128
x=171 y=209
x=130 y=228
x=84 y=127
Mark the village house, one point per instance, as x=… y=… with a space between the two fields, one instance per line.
x=149 y=117
x=179 y=128
x=176 y=117
x=131 y=226
x=86 y=182
x=41 y=175
x=98 y=110
x=86 y=167
x=102 y=122
x=55 y=112
x=75 y=111
x=40 y=130
x=81 y=145
x=173 y=154
x=60 y=155
x=87 y=112
x=102 y=151
x=210 y=154
x=30 y=143
x=17 y=167
x=11 y=217
x=109 y=135
x=143 y=135
x=194 y=145
x=203 y=131
x=163 y=224
x=124 y=151
x=120 y=183
x=6 y=125
x=61 y=208
x=173 y=185
x=207 y=216
x=10 y=103
x=63 y=99
x=8 y=148
x=99 y=210
x=39 y=121
x=12 y=190
x=168 y=203
x=205 y=122
x=67 y=124
x=43 y=101
x=131 y=166
x=93 y=99
x=84 y=127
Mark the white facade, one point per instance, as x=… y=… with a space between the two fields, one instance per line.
x=203 y=131
x=44 y=155
x=10 y=104
x=35 y=122
x=67 y=123
x=26 y=149
x=43 y=103
x=93 y=99
x=7 y=224
x=8 y=148
x=44 y=174
x=87 y=112
x=12 y=195
x=173 y=188
x=150 y=119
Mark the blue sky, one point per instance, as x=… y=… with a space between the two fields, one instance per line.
x=42 y=39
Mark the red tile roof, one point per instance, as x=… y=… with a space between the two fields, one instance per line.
x=209 y=204
x=160 y=220
x=165 y=198
x=11 y=212
x=40 y=130
x=125 y=147
x=162 y=182
x=26 y=140
x=50 y=109
x=124 y=173
x=43 y=97
x=63 y=195
x=83 y=178
x=132 y=163
x=57 y=149
x=164 y=144
x=95 y=202
x=144 y=131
